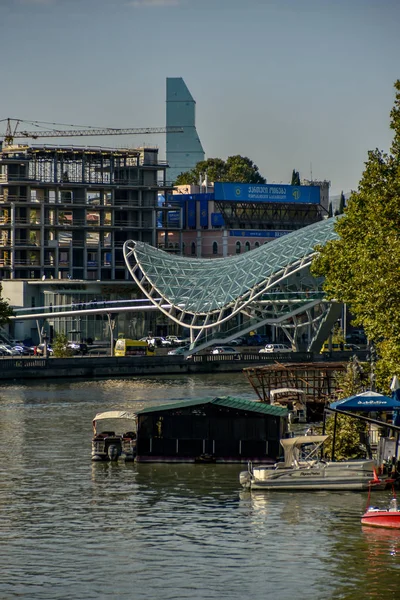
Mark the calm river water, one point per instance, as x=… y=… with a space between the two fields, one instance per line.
x=75 y=530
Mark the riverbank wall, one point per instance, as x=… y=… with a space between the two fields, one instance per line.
x=88 y=367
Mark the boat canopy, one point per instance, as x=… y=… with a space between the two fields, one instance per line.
x=107 y=419
x=114 y=414
x=291 y=447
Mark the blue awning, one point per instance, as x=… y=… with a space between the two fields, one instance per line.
x=367 y=402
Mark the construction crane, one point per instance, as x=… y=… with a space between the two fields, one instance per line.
x=12 y=131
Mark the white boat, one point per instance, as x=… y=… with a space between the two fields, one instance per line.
x=303 y=470
x=294 y=400
x=114 y=436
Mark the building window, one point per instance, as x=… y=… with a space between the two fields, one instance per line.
x=215 y=248
x=238 y=247
x=256 y=245
x=247 y=246
x=193 y=249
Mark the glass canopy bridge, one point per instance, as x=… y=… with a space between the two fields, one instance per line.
x=222 y=298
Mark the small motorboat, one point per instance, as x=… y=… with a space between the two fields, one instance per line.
x=304 y=469
x=379 y=517
x=114 y=436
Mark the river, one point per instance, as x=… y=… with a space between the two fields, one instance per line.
x=76 y=530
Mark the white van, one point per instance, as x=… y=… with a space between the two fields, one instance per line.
x=275 y=348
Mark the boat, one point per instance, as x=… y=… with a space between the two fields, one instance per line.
x=375 y=516
x=304 y=469
x=294 y=400
x=114 y=436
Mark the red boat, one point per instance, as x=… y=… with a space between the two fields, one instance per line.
x=378 y=517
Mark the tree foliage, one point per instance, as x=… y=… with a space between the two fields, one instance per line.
x=5 y=309
x=60 y=349
x=362 y=267
x=350 y=437
x=351 y=433
x=236 y=169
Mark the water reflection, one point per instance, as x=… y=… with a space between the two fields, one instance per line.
x=76 y=529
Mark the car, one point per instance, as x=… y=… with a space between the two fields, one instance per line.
x=175 y=340
x=24 y=350
x=8 y=350
x=225 y=350
x=157 y=341
x=351 y=347
x=40 y=350
x=275 y=348
x=240 y=341
x=78 y=347
x=180 y=350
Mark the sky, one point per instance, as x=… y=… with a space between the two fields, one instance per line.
x=291 y=84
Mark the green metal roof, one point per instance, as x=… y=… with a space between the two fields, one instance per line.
x=205 y=285
x=226 y=401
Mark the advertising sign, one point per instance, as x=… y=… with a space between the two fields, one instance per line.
x=258 y=234
x=269 y=192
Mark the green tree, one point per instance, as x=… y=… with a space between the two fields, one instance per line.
x=295 y=178
x=5 y=309
x=350 y=433
x=342 y=203
x=330 y=210
x=237 y=169
x=362 y=267
x=60 y=349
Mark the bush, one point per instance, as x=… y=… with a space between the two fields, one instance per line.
x=60 y=349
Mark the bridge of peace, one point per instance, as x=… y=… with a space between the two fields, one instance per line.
x=219 y=299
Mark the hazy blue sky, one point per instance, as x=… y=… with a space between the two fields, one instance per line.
x=287 y=83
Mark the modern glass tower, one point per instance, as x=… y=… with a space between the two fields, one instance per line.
x=184 y=150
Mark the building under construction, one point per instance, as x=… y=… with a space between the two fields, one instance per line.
x=65 y=212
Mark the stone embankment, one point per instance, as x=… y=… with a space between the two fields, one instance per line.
x=87 y=367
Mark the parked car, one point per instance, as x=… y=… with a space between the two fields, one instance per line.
x=78 y=347
x=24 y=350
x=278 y=348
x=8 y=350
x=338 y=347
x=351 y=347
x=40 y=350
x=240 y=341
x=157 y=341
x=175 y=340
x=225 y=350
x=180 y=350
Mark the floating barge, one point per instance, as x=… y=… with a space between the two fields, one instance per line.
x=221 y=430
x=316 y=380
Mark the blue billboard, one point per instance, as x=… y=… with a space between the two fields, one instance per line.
x=269 y=192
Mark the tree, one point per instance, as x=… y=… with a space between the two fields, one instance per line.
x=342 y=203
x=330 y=210
x=5 y=309
x=362 y=267
x=60 y=349
x=295 y=178
x=237 y=169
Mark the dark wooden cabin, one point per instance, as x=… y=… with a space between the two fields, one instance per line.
x=222 y=429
